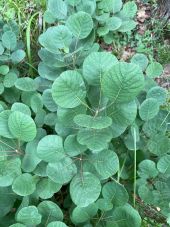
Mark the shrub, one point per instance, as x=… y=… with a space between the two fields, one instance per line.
x=72 y=135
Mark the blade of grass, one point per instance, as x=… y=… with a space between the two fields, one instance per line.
x=134 y=183
x=28 y=41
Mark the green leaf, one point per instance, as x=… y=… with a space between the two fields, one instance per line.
x=106 y=163
x=5 y=132
x=127 y=26
x=46 y=188
x=17 y=225
x=72 y=147
x=141 y=60
x=7 y=199
x=57 y=224
x=149 y=109
x=48 y=101
x=83 y=214
x=66 y=116
x=88 y=6
x=50 y=211
x=4 y=69
x=96 y=64
x=158 y=93
x=154 y=69
x=30 y=159
x=147 y=169
x=73 y=2
x=9 y=40
x=24 y=184
x=55 y=38
x=50 y=148
x=123 y=82
x=9 y=170
x=10 y=79
x=92 y=122
x=26 y=84
x=95 y=140
x=123 y=114
x=159 y=144
x=163 y=165
x=80 y=24
x=129 y=9
x=113 y=23
x=115 y=193
x=22 y=126
x=29 y=216
x=18 y=106
x=124 y=216
x=117 y=5
x=57 y=8
x=69 y=90
x=85 y=189
x=18 y=56
x=110 y=5
x=104 y=204
x=62 y=171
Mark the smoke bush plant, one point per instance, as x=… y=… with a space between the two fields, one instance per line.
x=69 y=136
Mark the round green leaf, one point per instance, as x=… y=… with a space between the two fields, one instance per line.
x=73 y=2
x=26 y=84
x=57 y=8
x=113 y=23
x=5 y=132
x=4 y=69
x=163 y=165
x=50 y=148
x=158 y=93
x=80 y=24
x=104 y=204
x=62 y=171
x=55 y=38
x=129 y=9
x=50 y=211
x=88 y=121
x=66 y=116
x=48 y=100
x=106 y=163
x=83 y=214
x=46 y=188
x=123 y=82
x=17 y=56
x=127 y=26
x=154 y=69
x=24 y=184
x=57 y=224
x=17 y=106
x=10 y=79
x=22 y=126
x=17 y=225
x=159 y=144
x=69 y=90
x=72 y=147
x=29 y=216
x=85 y=189
x=9 y=40
x=95 y=140
x=147 y=169
x=9 y=170
x=125 y=216
x=96 y=64
x=149 y=109
x=141 y=60
x=123 y=114
x=116 y=193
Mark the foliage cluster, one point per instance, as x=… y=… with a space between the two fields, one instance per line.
x=71 y=139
